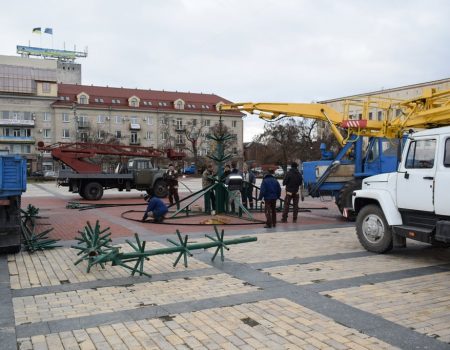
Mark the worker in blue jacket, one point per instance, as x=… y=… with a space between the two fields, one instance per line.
x=269 y=193
x=157 y=207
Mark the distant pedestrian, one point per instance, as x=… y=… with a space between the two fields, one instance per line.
x=206 y=182
x=171 y=177
x=248 y=180
x=293 y=181
x=270 y=191
x=155 y=208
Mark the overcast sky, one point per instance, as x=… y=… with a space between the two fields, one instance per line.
x=292 y=51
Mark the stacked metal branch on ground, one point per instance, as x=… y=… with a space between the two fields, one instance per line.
x=94 y=245
x=33 y=240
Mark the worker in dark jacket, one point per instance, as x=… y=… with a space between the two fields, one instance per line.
x=293 y=180
x=155 y=206
x=269 y=193
x=171 y=177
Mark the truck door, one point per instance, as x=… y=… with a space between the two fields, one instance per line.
x=442 y=181
x=415 y=181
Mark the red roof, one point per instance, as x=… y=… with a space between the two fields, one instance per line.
x=193 y=101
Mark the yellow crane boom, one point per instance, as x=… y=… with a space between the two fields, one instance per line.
x=429 y=110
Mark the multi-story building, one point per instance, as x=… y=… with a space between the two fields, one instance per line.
x=43 y=100
x=395 y=94
x=160 y=119
x=28 y=87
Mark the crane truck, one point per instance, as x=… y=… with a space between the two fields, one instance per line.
x=85 y=177
x=379 y=126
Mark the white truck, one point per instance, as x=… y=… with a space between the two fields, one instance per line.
x=413 y=202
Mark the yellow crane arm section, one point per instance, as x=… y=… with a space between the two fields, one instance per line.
x=430 y=110
x=272 y=111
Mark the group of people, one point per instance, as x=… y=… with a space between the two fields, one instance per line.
x=240 y=190
x=271 y=191
x=239 y=183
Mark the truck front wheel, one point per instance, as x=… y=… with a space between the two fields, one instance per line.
x=93 y=191
x=373 y=231
x=160 y=189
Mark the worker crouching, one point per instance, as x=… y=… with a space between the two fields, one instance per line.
x=155 y=208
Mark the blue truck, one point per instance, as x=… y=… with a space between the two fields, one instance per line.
x=13 y=182
x=339 y=176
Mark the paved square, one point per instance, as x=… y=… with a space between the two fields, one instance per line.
x=304 y=286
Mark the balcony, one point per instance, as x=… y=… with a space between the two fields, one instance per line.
x=84 y=125
x=17 y=139
x=17 y=122
x=135 y=126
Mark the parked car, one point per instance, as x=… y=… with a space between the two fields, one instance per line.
x=37 y=174
x=279 y=172
x=190 y=170
x=49 y=173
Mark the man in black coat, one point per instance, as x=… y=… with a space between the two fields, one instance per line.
x=293 y=180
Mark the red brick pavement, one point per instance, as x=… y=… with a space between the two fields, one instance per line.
x=67 y=222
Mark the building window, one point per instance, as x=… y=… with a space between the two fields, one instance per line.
x=149 y=121
x=84 y=136
x=118 y=134
x=134 y=102
x=164 y=121
x=179 y=124
x=194 y=122
x=164 y=135
x=65 y=133
x=134 y=138
x=26 y=133
x=179 y=104
x=65 y=117
x=83 y=100
x=47 y=117
x=46 y=87
x=134 y=120
x=47 y=133
x=118 y=119
x=149 y=135
x=380 y=115
x=101 y=119
x=101 y=134
x=16 y=132
x=234 y=123
x=180 y=139
x=207 y=122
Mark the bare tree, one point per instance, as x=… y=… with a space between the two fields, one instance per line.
x=195 y=137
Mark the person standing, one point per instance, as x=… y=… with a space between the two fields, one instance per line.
x=293 y=180
x=156 y=207
x=270 y=191
x=171 y=177
x=234 y=183
x=206 y=182
x=248 y=180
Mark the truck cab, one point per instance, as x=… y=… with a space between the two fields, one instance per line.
x=412 y=202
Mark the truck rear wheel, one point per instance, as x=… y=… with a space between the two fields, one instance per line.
x=160 y=189
x=344 y=198
x=373 y=231
x=93 y=191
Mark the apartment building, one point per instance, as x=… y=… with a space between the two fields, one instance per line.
x=44 y=100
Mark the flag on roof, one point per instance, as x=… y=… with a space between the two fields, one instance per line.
x=37 y=30
x=48 y=31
